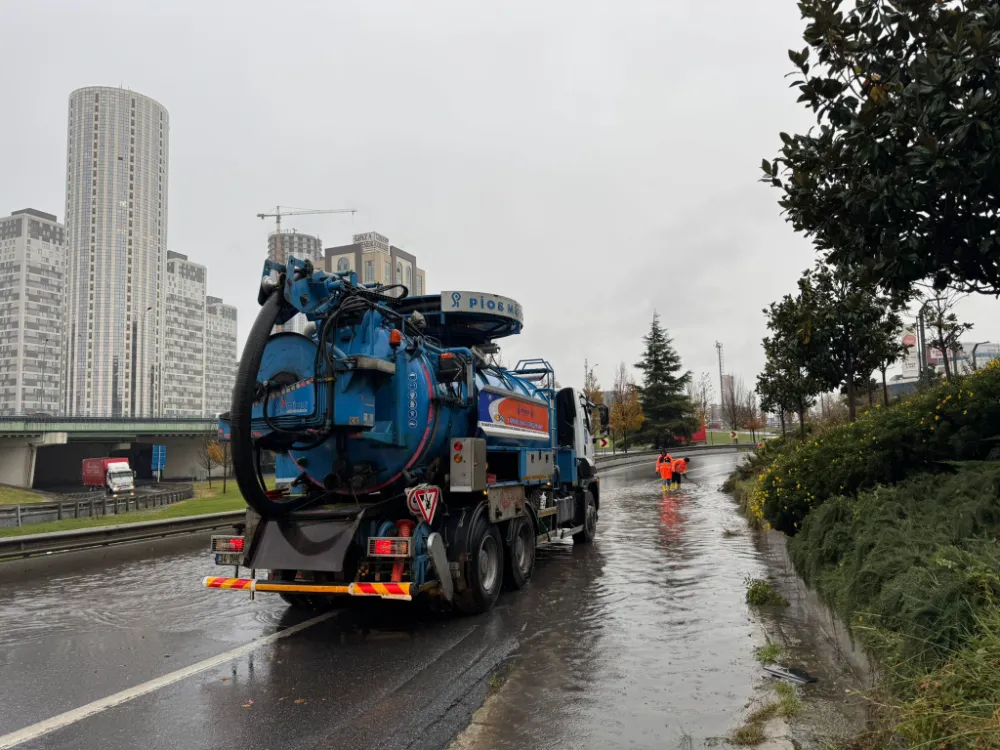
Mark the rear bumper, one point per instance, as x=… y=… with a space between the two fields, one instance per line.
x=401 y=591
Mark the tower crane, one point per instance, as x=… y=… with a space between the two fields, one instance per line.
x=297 y=212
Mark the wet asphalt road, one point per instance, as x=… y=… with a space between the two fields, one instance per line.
x=636 y=641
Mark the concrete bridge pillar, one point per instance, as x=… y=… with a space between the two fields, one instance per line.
x=17 y=463
x=18 y=457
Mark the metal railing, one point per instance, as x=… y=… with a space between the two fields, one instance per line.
x=68 y=541
x=88 y=505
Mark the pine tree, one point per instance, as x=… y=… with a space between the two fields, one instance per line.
x=668 y=410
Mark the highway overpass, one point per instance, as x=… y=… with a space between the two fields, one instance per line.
x=47 y=451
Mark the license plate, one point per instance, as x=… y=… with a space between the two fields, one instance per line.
x=229 y=558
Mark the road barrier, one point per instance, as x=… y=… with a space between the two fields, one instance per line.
x=89 y=505
x=68 y=541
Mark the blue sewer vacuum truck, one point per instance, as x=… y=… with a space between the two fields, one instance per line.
x=408 y=462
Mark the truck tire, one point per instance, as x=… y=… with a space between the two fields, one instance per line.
x=589 y=531
x=484 y=569
x=519 y=560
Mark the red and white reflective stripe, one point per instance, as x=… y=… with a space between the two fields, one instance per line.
x=385 y=590
x=240 y=584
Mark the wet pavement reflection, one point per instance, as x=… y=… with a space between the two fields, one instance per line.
x=644 y=641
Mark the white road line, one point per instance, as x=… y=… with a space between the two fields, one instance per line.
x=78 y=714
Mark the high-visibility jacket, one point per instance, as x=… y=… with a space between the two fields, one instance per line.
x=665 y=466
x=680 y=466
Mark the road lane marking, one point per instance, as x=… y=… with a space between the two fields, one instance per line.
x=35 y=731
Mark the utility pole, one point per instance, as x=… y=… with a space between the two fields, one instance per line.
x=722 y=391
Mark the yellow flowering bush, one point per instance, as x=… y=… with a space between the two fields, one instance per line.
x=955 y=421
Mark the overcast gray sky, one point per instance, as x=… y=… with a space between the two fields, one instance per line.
x=592 y=160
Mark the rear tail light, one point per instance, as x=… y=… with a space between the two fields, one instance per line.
x=223 y=544
x=388 y=547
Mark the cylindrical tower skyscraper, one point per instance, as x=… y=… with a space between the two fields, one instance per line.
x=116 y=239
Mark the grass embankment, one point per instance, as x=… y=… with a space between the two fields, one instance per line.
x=206 y=500
x=895 y=522
x=16 y=496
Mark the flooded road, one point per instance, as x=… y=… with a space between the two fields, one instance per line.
x=645 y=641
x=640 y=640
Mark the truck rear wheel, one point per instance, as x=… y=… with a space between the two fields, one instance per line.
x=519 y=562
x=589 y=531
x=483 y=570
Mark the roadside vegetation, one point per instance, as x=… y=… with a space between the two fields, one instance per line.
x=16 y=496
x=182 y=509
x=205 y=501
x=761 y=593
x=895 y=520
x=786 y=705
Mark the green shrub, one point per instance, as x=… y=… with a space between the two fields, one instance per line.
x=760 y=593
x=909 y=566
x=956 y=421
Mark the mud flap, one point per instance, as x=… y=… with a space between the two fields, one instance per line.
x=317 y=545
x=439 y=558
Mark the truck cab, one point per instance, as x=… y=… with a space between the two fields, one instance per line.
x=120 y=478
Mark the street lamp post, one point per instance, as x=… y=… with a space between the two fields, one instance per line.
x=975 y=365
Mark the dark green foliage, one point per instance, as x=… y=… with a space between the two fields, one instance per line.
x=785 y=385
x=955 y=421
x=760 y=593
x=909 y=566
x=666 y=407
x=899 y=177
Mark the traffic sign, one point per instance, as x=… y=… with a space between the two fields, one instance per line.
x=159 y=457
x=422 y=501
x=603 y=442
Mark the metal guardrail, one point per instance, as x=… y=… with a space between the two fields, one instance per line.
x=88 y=505
x=15 y=547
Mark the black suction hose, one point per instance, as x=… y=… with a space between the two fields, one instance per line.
x=245 y=466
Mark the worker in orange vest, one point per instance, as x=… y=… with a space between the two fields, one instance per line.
x=680 y=467
x=665 y=468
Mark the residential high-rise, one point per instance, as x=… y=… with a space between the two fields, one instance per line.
x=116 y=237
x=32 y=275
x=220 y=355
x=296 y=245
x=375 y=260
x=181 y=376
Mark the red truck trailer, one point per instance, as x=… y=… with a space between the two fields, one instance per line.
x=113 y=474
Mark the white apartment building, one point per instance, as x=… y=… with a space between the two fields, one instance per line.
x=116 y=237
x=220 y=355
x=32 y=275
x=180 y=379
